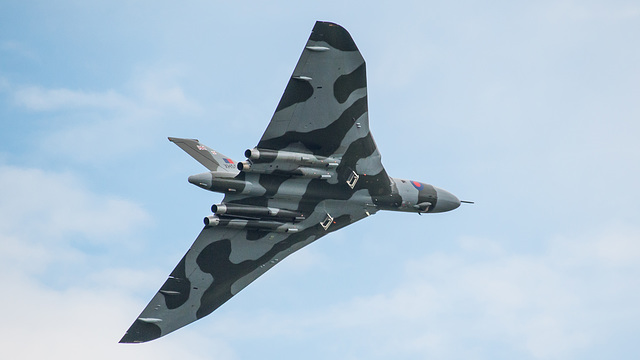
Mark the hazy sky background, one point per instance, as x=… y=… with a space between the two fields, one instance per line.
x=531 y=109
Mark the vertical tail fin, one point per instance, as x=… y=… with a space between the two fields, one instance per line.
x=211 y=159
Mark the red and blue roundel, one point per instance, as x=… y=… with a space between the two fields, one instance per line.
x=417 y=185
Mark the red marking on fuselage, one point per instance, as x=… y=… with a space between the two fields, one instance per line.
x=417 y=185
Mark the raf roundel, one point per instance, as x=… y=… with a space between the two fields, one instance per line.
x=417 y=185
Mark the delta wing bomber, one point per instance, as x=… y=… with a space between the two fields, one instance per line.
x=315 y=170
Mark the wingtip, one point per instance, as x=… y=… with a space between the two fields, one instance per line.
x=327 y=23
x=124 y=341
x=141 y=331
x=334 y=35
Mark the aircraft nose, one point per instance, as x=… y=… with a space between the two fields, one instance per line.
x=202 y=180
x=446 y=201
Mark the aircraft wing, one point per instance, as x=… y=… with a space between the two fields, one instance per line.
x=220 y=263
x=324 y=109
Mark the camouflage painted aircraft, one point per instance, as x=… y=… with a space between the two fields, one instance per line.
x=315 y=170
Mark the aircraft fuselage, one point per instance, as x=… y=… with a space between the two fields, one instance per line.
x=404 y=195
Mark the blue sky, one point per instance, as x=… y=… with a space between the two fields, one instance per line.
x=530 y=109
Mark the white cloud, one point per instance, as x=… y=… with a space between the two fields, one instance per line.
x=103 y=126
x=17 y=48
x=152 y=92
x=616 y=247
x=562 y=303
x=158 y=88
x=41 y=212
x=37 y=98
x=81 y=323
x=4 y=84
x=50 y=206
x=48 y=218
x=542 y=305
